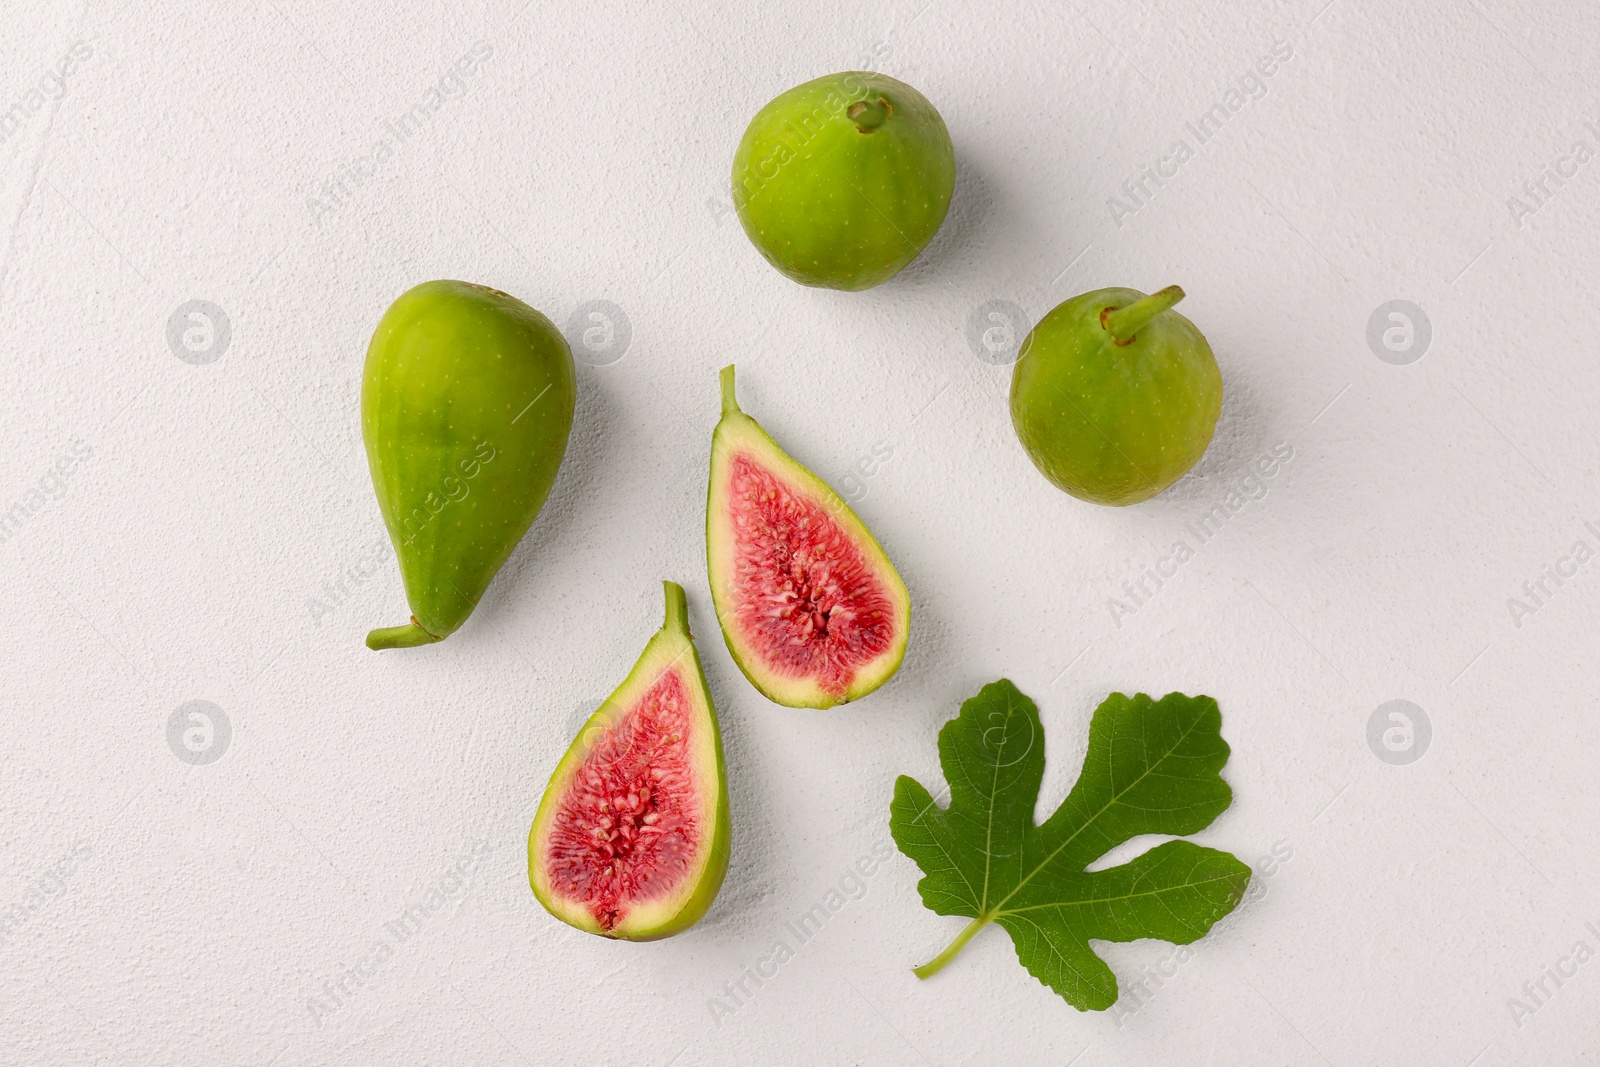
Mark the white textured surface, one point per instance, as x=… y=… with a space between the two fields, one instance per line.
x=194 y=911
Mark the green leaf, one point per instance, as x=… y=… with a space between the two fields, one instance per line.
x=1152 y=767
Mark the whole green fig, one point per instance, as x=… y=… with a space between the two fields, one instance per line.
x=842 y=181
x=466 y=406
x=1115 y=395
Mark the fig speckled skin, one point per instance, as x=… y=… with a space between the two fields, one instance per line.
x=1115 y=396
x=466 y=405
x=842 y=181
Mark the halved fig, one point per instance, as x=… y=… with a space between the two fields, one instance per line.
x=811 y=608
x=631 y=838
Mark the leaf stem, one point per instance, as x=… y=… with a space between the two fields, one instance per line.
x=935 y=965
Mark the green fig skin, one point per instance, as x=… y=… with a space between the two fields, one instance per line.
x=466 y=406
x=1115 y=396
x=842 y=181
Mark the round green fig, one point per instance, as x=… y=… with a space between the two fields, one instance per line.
x=1115 y=395
x=466 y=405
x=842 y=181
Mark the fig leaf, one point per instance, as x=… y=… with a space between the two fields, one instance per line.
x=1152 y=767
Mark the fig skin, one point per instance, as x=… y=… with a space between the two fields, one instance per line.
x=467 y=400
x=1115 y=396
x=843 y=180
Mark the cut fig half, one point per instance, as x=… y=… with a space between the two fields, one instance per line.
x=631 y=839
x=811 y=608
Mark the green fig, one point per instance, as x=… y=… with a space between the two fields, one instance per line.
x=466 y=406
x=842 y=181
x=631 y=838
x=1115 y=395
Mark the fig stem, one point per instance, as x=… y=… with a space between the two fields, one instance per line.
x=935 y=965
x=408 y=636
x=677 y=608
x=730 y=403
x=868 y=115
x=1125 y=322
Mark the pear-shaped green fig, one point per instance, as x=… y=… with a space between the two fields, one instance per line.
x=631 y=839
x=844 y=180
x=1115 y=395
x=466 y=406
